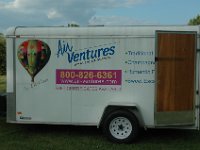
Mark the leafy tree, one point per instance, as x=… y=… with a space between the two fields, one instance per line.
x=194 y=21
x=2 y=55
x=73 y=25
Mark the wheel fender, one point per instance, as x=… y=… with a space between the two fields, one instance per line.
x=133 y=108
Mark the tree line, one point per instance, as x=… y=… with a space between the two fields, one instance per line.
x=193 y=21
x=2 y=55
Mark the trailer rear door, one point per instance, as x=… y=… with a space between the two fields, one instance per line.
x=175 y=88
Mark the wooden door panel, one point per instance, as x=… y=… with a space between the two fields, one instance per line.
x=185 y=72
x=175 y=71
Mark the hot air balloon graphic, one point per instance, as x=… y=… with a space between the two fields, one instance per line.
x=33 y=55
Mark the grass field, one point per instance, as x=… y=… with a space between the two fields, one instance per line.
x=46 y=137
x=2 y=83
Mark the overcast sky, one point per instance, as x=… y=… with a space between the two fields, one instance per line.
x=96 y=12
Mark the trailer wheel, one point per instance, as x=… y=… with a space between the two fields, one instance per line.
x=121 y=127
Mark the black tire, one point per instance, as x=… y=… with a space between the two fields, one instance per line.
x=121 y=126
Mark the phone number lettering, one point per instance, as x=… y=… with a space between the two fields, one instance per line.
x=98 y=77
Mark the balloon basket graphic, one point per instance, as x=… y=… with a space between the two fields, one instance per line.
x=33 y=55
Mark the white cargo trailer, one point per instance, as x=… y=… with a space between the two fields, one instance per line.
x=118 y=78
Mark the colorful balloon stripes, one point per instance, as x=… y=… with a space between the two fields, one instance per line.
x=33 y=55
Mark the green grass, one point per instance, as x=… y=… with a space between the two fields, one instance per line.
x=2 y=83
x=46 y=137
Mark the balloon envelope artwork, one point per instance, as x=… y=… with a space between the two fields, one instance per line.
x=33 y=55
